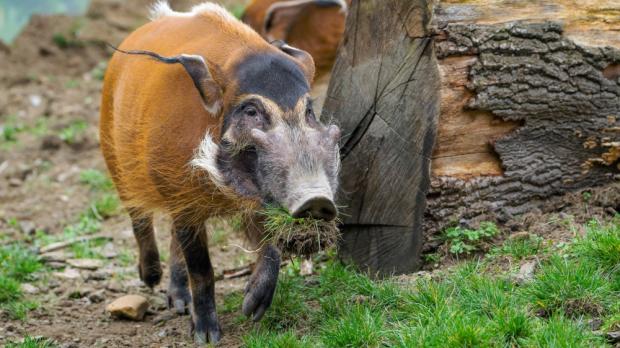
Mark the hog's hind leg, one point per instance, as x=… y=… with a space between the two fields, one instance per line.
x=149 y=266
x=192 y=241
x=179 y=297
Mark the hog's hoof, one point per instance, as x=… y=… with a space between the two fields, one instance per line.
x=179 y=299
x=150 y=273
x=206 y=335
x=259 y=294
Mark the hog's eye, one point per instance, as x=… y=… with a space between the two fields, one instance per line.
x=310 y=117
x=250 y=111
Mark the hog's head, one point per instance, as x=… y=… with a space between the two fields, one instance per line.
x=273 y=146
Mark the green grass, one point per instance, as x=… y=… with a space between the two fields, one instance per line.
x=32 y=342
x=571 y=286
x=520 y=248
x=96 y=180
x=470 y=305
x=17 y=265
x=70 y=133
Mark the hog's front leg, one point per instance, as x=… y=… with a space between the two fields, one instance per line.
x=262 y=284
x=193 y=242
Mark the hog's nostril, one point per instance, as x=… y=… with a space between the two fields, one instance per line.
x=318 y=208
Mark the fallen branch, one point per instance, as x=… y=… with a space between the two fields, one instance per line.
x=61 y=245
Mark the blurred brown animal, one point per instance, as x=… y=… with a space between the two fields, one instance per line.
x=225 y=126
x=315 y=26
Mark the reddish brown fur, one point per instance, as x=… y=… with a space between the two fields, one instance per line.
x=152 y=118
x=316 y=30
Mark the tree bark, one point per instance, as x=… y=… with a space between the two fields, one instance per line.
x=530 y=107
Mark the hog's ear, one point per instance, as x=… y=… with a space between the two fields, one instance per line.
x=281 y=16
x=304 y=58
x=197 y=69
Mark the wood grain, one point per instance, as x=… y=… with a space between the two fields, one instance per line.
x=384 y=93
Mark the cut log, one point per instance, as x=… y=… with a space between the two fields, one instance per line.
x=388 y=123
x=530 y=106
x=523 y=97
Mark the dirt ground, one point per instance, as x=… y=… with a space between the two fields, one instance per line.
x=48 y=85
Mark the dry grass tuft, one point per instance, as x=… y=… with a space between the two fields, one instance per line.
x=298 y=236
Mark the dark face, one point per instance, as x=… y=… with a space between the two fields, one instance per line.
x=274 y=148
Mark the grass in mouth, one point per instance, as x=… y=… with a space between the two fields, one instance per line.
x=298 y=236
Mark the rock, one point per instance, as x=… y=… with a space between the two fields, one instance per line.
x=306 y=267
x=97 y=296
x=613 y=337
x=526 y=272
x=158 y=303
x=129 y=306
x=165 y=316
x=35 y=100
x=27 y=227
x=114 y=287
x=98 y=275
x=162 y=333
x=68 y=274
x=89 y=264
x=55 y=265
x=54 y=256
x=109 y=251
x=29 y=289
x=80 y=292
x=15 y=182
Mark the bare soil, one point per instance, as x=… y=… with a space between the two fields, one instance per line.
x=52 y=87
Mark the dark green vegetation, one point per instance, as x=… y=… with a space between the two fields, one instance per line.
x=17 y=265
x=474 y=304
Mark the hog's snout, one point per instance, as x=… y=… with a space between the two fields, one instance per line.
x=317 y=207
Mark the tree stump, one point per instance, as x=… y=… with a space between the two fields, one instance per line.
x=524 y=100
x=389 y=125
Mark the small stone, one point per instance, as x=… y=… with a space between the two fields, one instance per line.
x=80 y=292
x=306 y=267
x=526 y=272
x=98 y=275
x=109 y=251
x=54 y=256
x=114 y=287
x=88 y=264
x=29 y=289
x=68 y=274
x=129 y=306
x=162 y=333
x=97 y=296
x=158 y=303
x=35 y=100
x=55 y=265
x=15 y=182
x=27 y=227
x=165 y=316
